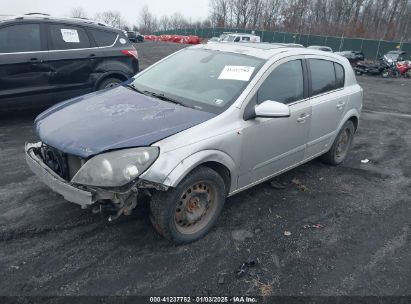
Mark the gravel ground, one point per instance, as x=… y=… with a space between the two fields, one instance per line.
x=362 y=245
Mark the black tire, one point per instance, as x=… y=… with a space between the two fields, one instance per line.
x=335 y=156
x=109 y=83
x=385 y=73
x=169 y=210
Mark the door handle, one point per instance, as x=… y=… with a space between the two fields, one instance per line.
x=35 y=60
x=92 y=55
x=303 y=117
x=340 y=105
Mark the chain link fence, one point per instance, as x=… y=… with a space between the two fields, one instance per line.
x=372 y=49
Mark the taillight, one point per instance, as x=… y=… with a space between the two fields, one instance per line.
x=131 y=53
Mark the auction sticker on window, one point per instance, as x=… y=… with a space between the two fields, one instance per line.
x=70 y=35
x=236 y=72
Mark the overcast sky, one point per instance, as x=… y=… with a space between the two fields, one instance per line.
x=129 y=9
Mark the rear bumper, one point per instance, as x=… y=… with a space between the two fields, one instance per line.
x=55 y=182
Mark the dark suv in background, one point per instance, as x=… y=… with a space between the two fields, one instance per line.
x=44 y=60
x=134 y=36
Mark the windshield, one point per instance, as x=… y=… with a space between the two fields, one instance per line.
x=203 y=79
x=223 y=36
x=392 y=56
x=229 y=38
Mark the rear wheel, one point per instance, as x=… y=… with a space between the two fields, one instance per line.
x=109 y=83
x=187 y=212
x=342 y=143
x=385 y=73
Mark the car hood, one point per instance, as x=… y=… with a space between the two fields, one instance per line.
x=113 y=119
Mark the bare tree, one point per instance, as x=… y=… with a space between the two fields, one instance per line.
x=378 y=19
x=177 y=21
x=219 y=12
x=164 y=23
x=110 y=18
x=271 y=14
x=147 y=21
x=242 y=11
x=78 y=12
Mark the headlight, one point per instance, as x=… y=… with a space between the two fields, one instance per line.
x=115 y=169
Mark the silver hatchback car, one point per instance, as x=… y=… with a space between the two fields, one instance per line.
x=200 y=125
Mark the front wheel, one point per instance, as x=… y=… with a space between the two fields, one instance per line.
x=109 y=83
x=342 y=143
x=187 y=212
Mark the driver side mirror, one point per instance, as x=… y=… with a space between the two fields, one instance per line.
x=270 y=109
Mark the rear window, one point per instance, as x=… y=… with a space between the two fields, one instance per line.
x=104 y=38
x=322 y=76
x=65 y=37
x=20 y=38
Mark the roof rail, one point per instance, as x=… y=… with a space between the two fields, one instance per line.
x=47 y=16
x=31 y=14
x=86 y=20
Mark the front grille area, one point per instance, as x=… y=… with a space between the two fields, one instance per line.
x=65 y=165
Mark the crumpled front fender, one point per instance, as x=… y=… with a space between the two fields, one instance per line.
x=186 y=165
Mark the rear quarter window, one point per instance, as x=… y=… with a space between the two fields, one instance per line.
x=339 y=75
x=103 y=38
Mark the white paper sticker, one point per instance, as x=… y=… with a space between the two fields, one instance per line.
x=236 y=72
x=70 y=36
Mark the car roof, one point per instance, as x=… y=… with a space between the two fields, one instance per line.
x=242 y=34
x=396 y=52
x=48 y=18
x=319 y=46
x=263 y=50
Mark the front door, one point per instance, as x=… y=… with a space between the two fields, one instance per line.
x=24 y=70
x=271 y=145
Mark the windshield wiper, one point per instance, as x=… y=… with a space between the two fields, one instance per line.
x=159 y=96
x=165 y=98
x=131 y=86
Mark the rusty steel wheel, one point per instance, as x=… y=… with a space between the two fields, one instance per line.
x=342 y=143
x=195 y=207
x=187 y=212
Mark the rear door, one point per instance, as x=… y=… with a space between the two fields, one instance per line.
x=23 y=64
x=72 y=60
x=328 y=101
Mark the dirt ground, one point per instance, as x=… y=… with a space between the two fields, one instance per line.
x=331 y=231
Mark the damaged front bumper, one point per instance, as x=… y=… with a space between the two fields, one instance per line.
x=55 y=182
x=123 y=199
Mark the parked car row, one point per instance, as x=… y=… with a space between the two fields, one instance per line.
x=44 y=60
